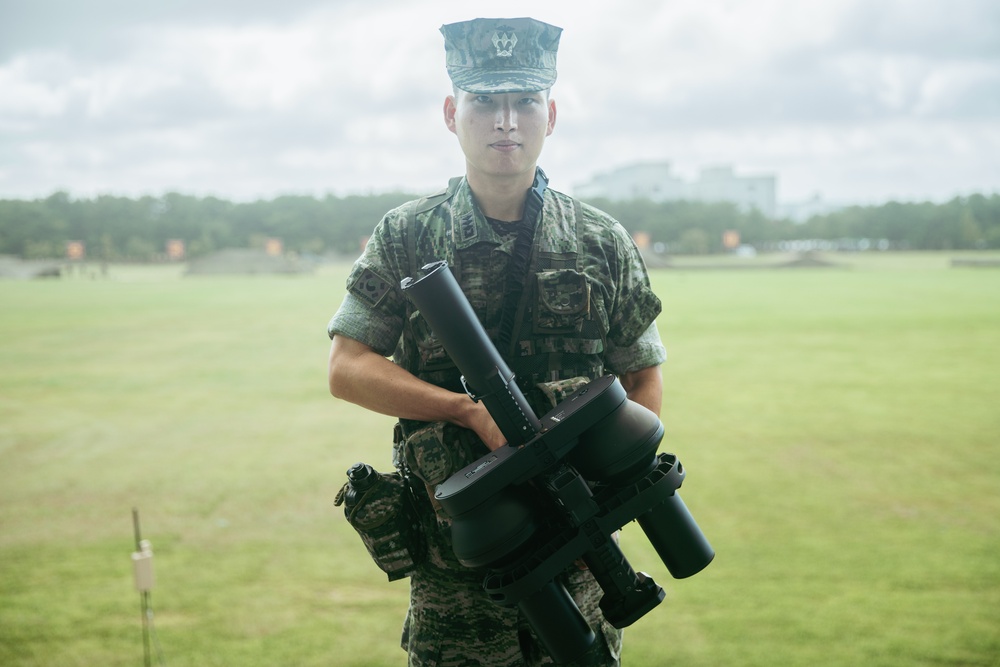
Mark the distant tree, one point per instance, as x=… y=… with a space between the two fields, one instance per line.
x=693 y=241
x=115 y=228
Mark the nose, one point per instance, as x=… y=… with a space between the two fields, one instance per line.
x=506 y=120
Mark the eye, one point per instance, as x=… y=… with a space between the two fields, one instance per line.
x=483 y=99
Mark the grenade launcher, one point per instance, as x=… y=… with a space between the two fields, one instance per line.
x=559 y=489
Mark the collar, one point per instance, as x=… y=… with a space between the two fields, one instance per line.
x=471 y=227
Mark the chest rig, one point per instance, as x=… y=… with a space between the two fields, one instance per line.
x=557 y=325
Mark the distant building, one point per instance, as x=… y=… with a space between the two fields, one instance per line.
x=638 y=181
x=654 y=181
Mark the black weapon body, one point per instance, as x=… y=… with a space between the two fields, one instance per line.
x=559 y=489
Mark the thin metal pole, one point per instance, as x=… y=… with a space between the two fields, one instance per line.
x=143 y=596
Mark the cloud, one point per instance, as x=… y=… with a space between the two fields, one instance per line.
x=251 y=99
x=952 y=30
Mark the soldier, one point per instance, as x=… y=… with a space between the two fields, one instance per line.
x=562 y=291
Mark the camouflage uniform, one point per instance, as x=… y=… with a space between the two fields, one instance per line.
x=586 y=309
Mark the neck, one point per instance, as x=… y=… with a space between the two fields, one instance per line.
x=501 y=198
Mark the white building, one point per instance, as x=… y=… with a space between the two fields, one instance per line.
x=654 y=181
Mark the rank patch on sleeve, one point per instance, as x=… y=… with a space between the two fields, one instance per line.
x=370 y=287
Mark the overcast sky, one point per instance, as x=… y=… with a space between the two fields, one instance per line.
x=855 y=100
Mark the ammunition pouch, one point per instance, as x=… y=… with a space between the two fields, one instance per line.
x=434 y=452
x=385 y=517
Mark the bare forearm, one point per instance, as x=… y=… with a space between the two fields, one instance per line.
x=645 y=387
x=361 y=376
x=374 y=382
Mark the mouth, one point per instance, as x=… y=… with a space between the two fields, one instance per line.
x=505 y=146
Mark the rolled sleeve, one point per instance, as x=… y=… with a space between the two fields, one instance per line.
x=648 y=350
x=374 y=308
x=355 y=319
x=636 y=305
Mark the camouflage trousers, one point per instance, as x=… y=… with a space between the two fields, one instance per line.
x=452 y=623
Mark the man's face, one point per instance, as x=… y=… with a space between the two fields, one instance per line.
x=502 y=134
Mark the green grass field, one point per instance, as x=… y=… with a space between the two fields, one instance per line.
x=840 y=428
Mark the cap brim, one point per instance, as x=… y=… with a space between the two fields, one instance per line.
x=486 y=81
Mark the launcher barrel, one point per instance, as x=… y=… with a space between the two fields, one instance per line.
x=485 y=374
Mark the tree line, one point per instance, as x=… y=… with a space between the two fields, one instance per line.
x=138 y=229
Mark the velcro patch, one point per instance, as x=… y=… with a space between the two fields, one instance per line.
x=369 y=287
x=467 y=227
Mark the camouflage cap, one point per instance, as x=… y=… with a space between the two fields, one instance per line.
x=486 y=56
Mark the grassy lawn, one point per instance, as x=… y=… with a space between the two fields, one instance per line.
x=840 y=428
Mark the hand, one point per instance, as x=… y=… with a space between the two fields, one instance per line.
x=481 y=421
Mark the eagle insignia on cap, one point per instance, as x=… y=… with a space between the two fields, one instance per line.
x=505 y=43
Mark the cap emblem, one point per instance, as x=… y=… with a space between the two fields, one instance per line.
x=505 y=43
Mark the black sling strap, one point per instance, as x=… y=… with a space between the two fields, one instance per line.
x=519 y=258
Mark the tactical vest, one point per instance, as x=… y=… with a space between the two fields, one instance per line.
x=561 y=325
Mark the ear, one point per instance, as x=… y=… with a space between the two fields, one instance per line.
x=552 y=117
x=449 y=112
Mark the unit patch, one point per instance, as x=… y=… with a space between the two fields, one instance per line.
x=369 y=287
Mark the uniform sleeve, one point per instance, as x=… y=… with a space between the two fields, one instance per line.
x=374 y=309
x=647 y=351
x=635 y=305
